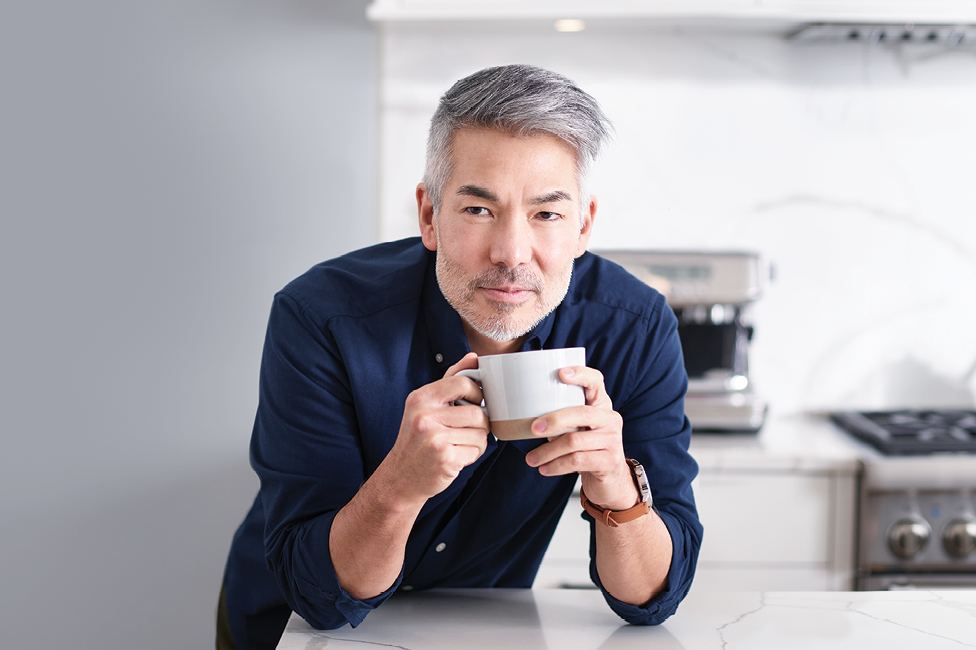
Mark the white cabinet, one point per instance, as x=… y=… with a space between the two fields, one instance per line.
x=776 y=530
x=567 y=561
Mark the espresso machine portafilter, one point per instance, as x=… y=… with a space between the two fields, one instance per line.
x=710 y=293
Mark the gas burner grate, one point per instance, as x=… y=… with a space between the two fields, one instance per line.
x=912 y=431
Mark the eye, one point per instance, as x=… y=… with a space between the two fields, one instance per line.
x=478 y=211
x=549 y=216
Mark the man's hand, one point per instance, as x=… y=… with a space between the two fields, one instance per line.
x=589 y=440
x=438 y=439
x=632 y=559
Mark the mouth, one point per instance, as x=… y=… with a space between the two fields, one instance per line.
x=508 y=294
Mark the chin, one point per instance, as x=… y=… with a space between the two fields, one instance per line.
x=505 y=327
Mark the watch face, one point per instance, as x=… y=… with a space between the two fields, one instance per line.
x=640 y=479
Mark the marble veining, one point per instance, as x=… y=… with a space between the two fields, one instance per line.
x=846 y=165
x=853 y=607
x=722 y=628
x=552 y=618
x=892 y=217
x=828 y=615
x=320 y=640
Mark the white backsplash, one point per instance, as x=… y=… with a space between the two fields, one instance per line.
x=849 y=167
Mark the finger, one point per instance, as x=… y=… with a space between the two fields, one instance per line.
x=467 y=362
x=462 y=455
x=590 y=379
x=446 y=391
x=463 y=416
x=596 y=461
x=578 y=443
x=462 y=388
x=457 y=439
x=476 y=439
x=575 y=418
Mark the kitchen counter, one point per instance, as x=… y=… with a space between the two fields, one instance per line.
x=798 y=442
x=580 y=619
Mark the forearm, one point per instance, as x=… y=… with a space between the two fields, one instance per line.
x=369 y=538
x=634 y=558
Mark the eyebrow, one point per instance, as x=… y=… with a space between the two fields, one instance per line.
x=477 y=192
x=486 y=194
x=552 y=197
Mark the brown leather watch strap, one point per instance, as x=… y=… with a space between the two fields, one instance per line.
x=613 y=518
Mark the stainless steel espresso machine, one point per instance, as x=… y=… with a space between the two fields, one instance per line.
x=710 y=294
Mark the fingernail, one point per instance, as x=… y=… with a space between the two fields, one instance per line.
x=532 y=458
x=539 y=426
x=568 y=372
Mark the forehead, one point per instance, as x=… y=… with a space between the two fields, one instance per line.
x=494 y=152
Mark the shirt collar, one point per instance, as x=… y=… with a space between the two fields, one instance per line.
x=446 y=333
x=444 y=330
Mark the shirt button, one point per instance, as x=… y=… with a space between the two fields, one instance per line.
x=438 y=357
x=406 y=588
x=440 y=547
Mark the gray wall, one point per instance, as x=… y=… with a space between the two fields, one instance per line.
x=164 y=168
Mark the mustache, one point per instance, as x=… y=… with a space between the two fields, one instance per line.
x=504 y=276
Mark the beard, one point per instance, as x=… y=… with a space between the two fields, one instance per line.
x=501 y=321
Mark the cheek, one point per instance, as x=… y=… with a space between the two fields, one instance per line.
x=558 y=251
x=462 y=254
x=465 y=245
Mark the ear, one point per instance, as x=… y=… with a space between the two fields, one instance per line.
x=425 y=213
x=588 y=218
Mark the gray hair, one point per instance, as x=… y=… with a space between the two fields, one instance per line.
x=520 y=100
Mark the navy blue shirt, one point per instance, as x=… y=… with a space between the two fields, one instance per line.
x=346 y=343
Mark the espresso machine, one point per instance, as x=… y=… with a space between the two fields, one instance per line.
x=710 y=293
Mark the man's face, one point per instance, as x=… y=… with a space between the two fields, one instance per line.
x=507 y=231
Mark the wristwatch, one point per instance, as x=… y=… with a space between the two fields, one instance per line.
x=614 y=518
x=640 y=480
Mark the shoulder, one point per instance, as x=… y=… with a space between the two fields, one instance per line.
x=362 y=282
x=599 y=283
x=631 y=336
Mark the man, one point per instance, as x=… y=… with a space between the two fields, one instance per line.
x=373 y=479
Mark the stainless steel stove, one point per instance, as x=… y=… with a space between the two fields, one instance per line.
x=913 y=431
x=917 y=525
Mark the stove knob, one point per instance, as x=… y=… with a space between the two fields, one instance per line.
x=907 y=537
x=960 y=537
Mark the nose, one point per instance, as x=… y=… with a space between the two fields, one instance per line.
x=511 y=243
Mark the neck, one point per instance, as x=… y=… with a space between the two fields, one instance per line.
x=484 y=346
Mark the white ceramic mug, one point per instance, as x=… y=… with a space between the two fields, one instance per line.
x=521 y=386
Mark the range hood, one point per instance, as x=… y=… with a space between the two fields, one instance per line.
x=790 y=15
x=905 y=33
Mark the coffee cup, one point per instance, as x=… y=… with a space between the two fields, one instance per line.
x=521 y=386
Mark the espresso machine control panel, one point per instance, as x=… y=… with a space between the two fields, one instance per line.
x=710 y=293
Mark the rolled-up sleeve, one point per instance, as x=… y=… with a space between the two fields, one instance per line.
x=657 y=434
x=306 y=450
x=685 y=544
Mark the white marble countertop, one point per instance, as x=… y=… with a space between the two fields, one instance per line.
x=513 y=619
x=790 y=443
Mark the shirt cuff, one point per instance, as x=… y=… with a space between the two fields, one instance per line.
x=349 y=609
x=355 y=610
x=680 y=574
x=310 y=585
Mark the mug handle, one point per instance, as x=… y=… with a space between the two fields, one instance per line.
x=473 y=373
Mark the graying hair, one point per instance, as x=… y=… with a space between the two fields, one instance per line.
x=520 y=100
